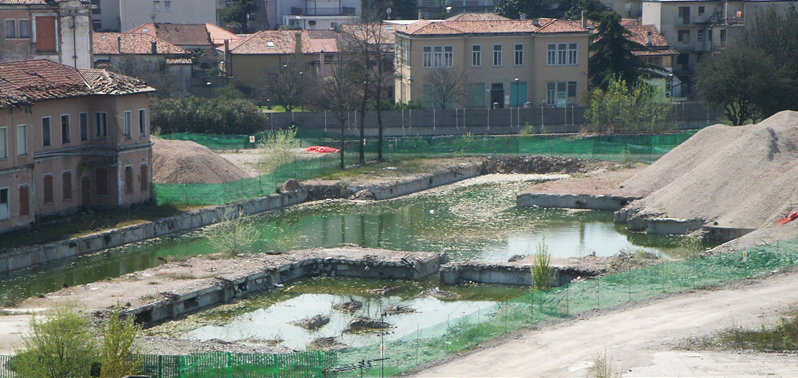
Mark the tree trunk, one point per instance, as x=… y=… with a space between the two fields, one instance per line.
x=378 y=96
x=343 y=145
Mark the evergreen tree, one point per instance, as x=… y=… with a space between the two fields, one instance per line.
x=612 y=54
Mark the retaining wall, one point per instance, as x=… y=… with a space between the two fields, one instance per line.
x=26 y=257
x=720 y=235
x=503 y=274
x=573 y=201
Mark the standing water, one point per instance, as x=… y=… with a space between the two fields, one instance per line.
x=474 y=219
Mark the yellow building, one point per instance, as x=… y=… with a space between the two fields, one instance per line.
x=504 y=63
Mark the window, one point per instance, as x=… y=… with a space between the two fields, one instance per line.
x=128 y=117
x=684 y=36
x=562 y=54
x=101 y=124
x=497 y=55
x=128 y=180
x=557 y=93
x=3 y=142
x=573 y=56
x=145 y=179
x=23 y=28
x=699 y=36
x=65 y=138
x=66 y=179
x=95 y=7
x=4 y=213
x=437 y=56
x=427 y=57
x=701 y=11
x=142 y=123
x=96 y=25
x=22 y=140
x=101 y=181
x=156 y=5
x=84 y=126
x=167 y=6
x=448 y=56
x=476 y=55
x=48 y=188
x=45 y=34
x=519 y=54
x=46 y=136
x=11 y=28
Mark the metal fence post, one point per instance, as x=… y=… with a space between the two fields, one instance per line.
x=182 y=366
x=229 y=365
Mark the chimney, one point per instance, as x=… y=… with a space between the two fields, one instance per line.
x=420 y=15
x=119 y=44
x=536 y=22
x=154 y=48
x=228 y=64
x=584 y=19
x=298 y=38
x=648 y=38
x=522 y=16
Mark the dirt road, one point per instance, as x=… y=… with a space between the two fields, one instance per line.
x=643 y=341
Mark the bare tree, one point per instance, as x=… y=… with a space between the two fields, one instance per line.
x=288 y=85
x=340 y=93
x=156 y=74
x=446 y=87
x=370 y=46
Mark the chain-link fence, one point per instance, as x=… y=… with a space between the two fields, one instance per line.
x=643 y=148
x=223 y=365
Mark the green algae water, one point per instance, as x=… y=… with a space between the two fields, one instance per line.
x=472 y=220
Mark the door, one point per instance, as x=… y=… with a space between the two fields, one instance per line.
x=24 y=201
x=85 y=191
x=497 y=95
x=517 y=94
x=684 y=14
x=45 y=34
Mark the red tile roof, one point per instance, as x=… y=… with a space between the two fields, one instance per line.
x=30 y=81
x=177 y=34
x=140 y=44
x=273 y=42
x=428 y=28
x=477 y=17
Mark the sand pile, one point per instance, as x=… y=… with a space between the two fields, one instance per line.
x=744 y=176
x=183 y=162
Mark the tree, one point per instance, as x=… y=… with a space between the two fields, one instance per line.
x=591 y=6
x=62 y=346
x=612 y=54
x=446 y=87
x=532 y=8
x=638 y=108
x=339 y=92
x=236 y=14
x=155 y=74
x=289 y=84
x=746 y=82
x=404 y=9
x=541 y=270
x=118 y=354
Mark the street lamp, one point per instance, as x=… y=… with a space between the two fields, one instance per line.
x=516 y=93
x=269 y=104
x=209 y=89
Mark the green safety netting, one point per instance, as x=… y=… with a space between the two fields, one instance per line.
x=643 y=148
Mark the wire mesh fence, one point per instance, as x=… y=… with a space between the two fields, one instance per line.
x=643 y=148
x=426 y=344
x=222 y=365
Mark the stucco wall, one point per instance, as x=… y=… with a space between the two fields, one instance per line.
x=137 y=12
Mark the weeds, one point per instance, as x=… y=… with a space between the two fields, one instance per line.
x=602 y=367
x=542 y=273
x=233 y=234
x=782 y=337
x=278 y=148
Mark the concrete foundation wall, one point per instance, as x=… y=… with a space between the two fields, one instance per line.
x=672 y=226
x=720 y=235
x=422 y=183
x=223 y=290
x=572 y=201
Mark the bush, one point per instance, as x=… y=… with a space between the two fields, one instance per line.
x=542 y=272
x=215 y=116
x=624 y=109
x=278 y=148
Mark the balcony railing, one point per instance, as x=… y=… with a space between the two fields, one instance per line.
x=343 y=11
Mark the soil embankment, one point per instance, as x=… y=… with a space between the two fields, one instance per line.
x=184 y=162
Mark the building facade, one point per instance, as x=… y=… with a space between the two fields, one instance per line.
x=133 y=13
x=505 y=63
x=70 y=138
x=313 y=14
x=56 y=30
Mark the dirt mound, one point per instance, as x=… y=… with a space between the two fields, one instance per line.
x=740 y=176
x=532 y=164
x=184 y=162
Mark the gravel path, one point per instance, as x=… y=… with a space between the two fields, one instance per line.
x=644 y=340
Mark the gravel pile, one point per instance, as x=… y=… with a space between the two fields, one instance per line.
x=742 y=176
x=184 y=162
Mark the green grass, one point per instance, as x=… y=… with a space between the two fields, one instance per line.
x=53 y=229
x=783 y=336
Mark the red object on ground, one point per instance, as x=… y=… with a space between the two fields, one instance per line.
x=321 y=149
x=784 y=221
